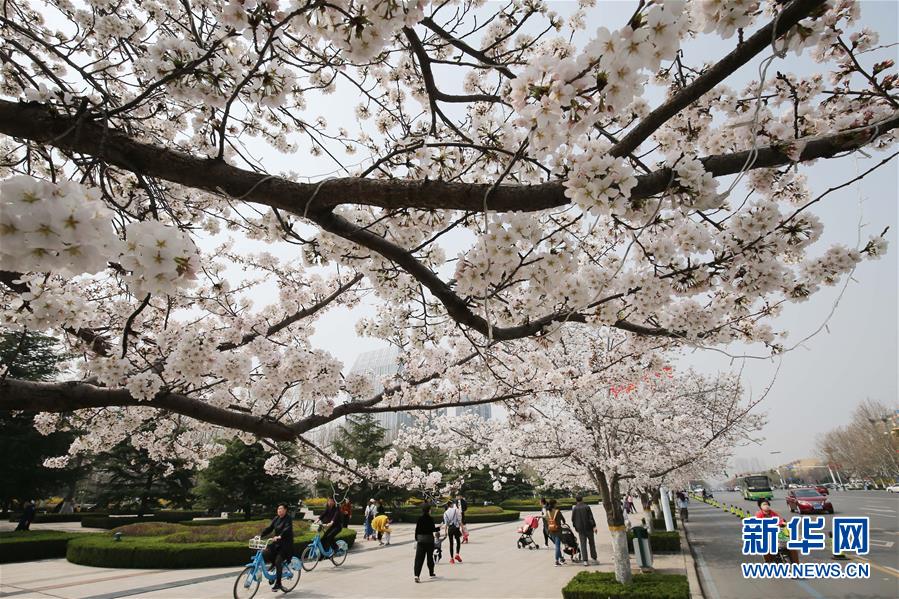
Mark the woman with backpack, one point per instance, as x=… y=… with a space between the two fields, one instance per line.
x=554 y=522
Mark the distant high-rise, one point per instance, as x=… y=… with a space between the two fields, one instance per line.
x=378 y=365
x=485 y=411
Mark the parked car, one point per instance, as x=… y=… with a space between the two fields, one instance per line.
x=808 y=500
x=822 y=489
x=894 y=488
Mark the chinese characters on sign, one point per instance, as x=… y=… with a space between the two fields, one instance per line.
x=762 y=536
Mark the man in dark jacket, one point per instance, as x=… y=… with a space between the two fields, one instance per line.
x=585 y=525
x=27 y=516
x=281 y=547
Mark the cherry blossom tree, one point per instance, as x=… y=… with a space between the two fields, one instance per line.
x=601 y=417
x=519 y=176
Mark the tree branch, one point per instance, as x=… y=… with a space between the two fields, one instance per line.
x=38 y=123
x=792 y=14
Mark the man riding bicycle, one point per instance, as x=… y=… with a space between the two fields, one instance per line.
x=281 y=547
x=334 y=521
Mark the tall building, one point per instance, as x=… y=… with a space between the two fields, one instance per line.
x=379 y=364
x=485 y=410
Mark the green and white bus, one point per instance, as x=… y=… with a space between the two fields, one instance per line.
x=756 y=487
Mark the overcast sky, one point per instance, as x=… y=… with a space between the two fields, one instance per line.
x=820 y=382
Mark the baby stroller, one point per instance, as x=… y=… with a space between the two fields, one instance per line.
x=569 y=544
x=526 y=540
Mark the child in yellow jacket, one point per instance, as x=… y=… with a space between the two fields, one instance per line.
x=381 y=524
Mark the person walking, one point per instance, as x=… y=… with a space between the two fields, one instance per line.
x=371 y=511
x=334 y=521
x=281 y=547
x=424 y=542
x=631 y=508
x=27 y=516
x=554 y=522
x=346 y=510
x=585 y=525
x=463 y=507
x=452 y=519
x=543 y=518
x=683 y=504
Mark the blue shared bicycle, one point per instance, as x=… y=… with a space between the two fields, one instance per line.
x=248 y=580
x=315 y=551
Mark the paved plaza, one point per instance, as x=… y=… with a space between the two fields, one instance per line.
x=492 y=567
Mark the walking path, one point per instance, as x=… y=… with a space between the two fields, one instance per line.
x=492 y=567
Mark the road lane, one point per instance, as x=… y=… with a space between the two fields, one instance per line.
x=716 y=540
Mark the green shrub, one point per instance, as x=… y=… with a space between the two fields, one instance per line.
x=659 y=523
x=602 y=585
x=150 y=529
x=502 y=516
x=483 y=509
x=30 y=545
x=160 y=552
x=108 y=522
x=411 y=514
x=659 y=542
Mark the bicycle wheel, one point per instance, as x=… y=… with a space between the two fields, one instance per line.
x=339 y=555
x=289 y=584
x=309 y=557
x=247 y=583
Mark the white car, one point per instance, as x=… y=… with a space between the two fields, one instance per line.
x=893 y=488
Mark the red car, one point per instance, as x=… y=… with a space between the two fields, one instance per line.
x=807 y=501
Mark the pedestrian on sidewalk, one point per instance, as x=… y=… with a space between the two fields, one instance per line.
x=463 y=506
x=371 y=511
x=543 y=518
x=585 y=525
x=631 y=508
x=452 y=520
x=424 y=541
x=683 y=504
x=346 y=511
x=554 y=522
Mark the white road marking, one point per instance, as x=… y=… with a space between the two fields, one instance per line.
x=879 y=543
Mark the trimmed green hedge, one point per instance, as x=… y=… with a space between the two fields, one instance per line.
x=602 y=585
x=503 y=516
x=155 y=552
x=533 y=505
x=659 y=523
x=30 y=545
x=109 y=522
x=411 y=514
x=659 y=542
x=44 y=518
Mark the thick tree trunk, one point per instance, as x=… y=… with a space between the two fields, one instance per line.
x=611 y=501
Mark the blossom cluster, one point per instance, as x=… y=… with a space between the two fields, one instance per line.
x=161 y=259
x=44 y=226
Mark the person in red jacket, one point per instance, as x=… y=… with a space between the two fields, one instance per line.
x=765 y=511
